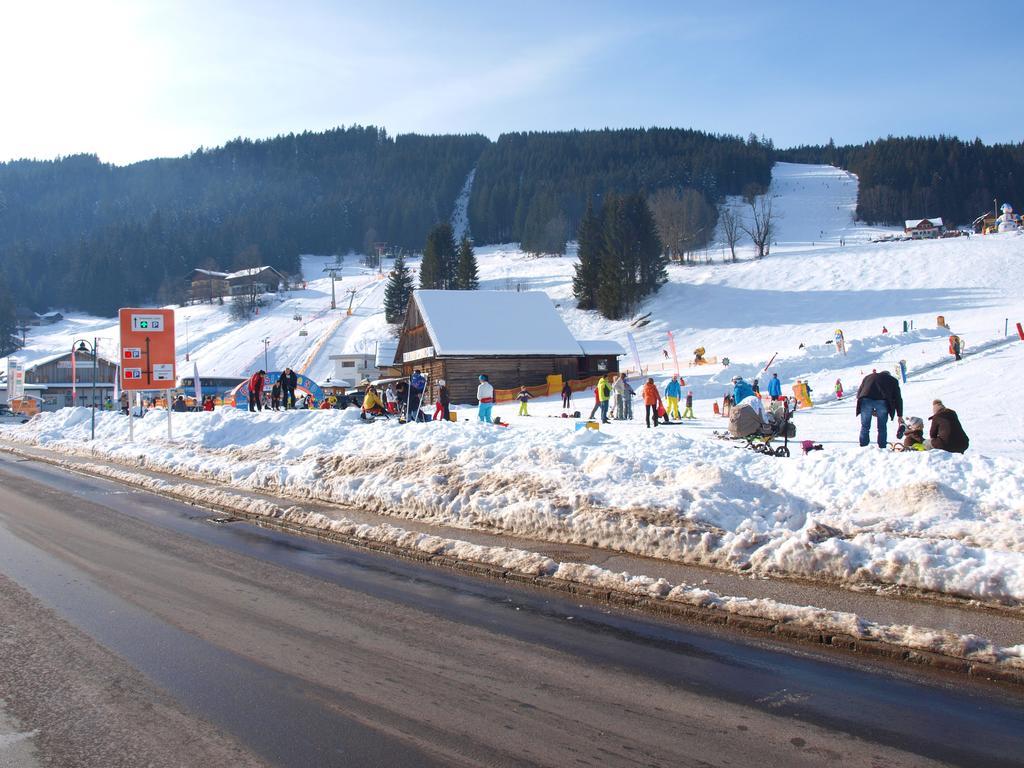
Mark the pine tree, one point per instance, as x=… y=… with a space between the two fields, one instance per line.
x=398 y=291
x=584 y=283
x=466 y=278
x=437 y=270
x=611 y=276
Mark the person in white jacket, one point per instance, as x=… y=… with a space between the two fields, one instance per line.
x=619 y=390
x=485 y=396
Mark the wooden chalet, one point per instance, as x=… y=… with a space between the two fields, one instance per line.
x=985 y=224
x=923 y=229
x=516 y=338
x=254 y=280
x=53 y=375
x=208 y=285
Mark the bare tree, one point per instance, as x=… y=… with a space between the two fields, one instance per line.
x=683 y=219
x=731 y=230
x=762 y=227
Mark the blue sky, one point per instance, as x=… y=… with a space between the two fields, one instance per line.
x=135 y=80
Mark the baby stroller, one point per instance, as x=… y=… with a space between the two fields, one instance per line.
x=762 y=436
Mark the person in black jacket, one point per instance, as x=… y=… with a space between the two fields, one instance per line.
x=879 y=395
x=289 y=381
x=946 y=432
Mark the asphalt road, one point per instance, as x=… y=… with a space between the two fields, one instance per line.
x=135 y=631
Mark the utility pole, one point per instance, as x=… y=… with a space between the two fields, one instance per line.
x=83 y=346
x=266 y=354
x=351 y=297
x=186 y=337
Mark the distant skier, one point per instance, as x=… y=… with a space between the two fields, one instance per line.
x=485 y=399
x=566 y=395
x=289 y=381
x=741 y=390
x=372 y=406
x=443 y=408
x=839 y=390
x=955 y=347
x=523 y=397
x=604 y=394
x=255 y=390
x=688 y=412
x=673 y=393
x=627 y=398
x=775 y=388
x=619 y=390
x=652 y=402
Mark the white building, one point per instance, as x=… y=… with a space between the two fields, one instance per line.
x=351 y=368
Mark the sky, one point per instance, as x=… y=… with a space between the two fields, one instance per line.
x=134 y=80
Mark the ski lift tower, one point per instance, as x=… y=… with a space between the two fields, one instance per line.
x=381 y=248
x=334 y=271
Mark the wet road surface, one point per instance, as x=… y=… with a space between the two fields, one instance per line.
x=267 y=647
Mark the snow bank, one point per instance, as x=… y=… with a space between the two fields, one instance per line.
x=930 y=521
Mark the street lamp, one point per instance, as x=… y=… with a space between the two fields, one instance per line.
x=85 y=346
x=266 y=351
x=186 y=337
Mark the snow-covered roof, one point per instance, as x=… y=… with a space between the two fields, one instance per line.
x=601 y=347
x=251 y=272
x=386 y=353
x=913 y=223
x=51 y=358
x=211 y=273
x=494 y=323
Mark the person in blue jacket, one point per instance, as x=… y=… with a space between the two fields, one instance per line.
x=775 y=387
x=741 y=390
x=673 y=392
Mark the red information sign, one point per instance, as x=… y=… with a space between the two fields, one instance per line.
x=147 y=349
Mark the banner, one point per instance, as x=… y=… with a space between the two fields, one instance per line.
x=197 y=384
x=672 y=349
x=15 y=379
x=636 y=353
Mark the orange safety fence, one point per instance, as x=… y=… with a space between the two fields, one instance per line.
x=507 y=395
x=553 y=387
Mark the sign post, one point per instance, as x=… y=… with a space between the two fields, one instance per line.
x=147 y=353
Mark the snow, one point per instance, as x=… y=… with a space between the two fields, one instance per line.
x=926 y=521
x=488 y=322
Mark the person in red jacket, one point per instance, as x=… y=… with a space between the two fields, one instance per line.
x=652 y=401
x=208 y=403
x=256 y=390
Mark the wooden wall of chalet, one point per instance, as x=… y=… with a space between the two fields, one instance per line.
x=59 y=371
